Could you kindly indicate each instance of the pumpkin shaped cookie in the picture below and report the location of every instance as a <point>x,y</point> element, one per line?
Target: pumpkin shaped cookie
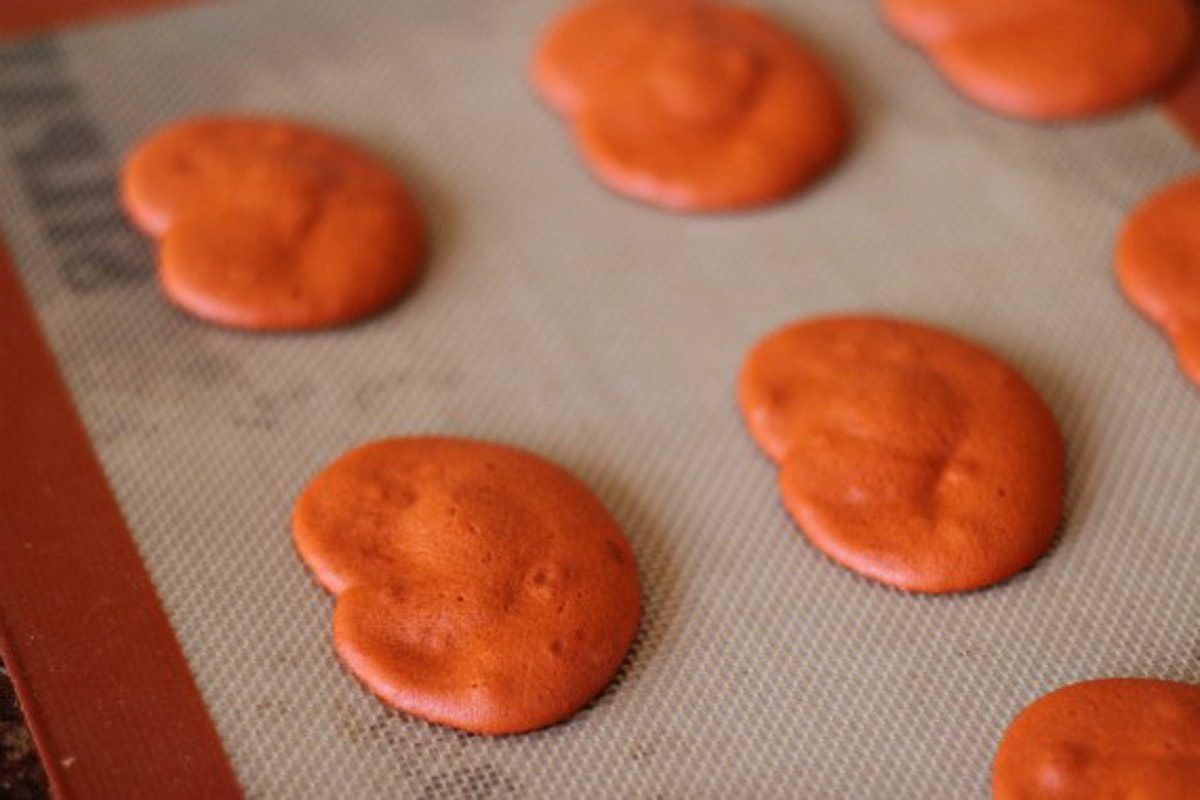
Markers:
<point>1158,266</point>
<point>691,105</point>
<point>270,225</point>
<point>478,586</point>
<point>1110,738</point>
<point>907,454</point>
<point>1049,59</point>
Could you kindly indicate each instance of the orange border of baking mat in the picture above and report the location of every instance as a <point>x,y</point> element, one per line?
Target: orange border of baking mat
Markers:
<point>103,683</point>
<point>21,17</point>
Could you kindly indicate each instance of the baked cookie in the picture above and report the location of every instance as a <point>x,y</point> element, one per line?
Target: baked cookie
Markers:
<point>691,105</point>
<point>907,455</point>
<point>270,225</point>
<point>1111,738</point>
<point>478,586</point>
<point>1158,266</point>
<point>1049,59</point>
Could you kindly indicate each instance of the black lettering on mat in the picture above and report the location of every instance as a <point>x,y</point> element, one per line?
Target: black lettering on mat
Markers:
<point>65,169</point>
<point>31,52</point>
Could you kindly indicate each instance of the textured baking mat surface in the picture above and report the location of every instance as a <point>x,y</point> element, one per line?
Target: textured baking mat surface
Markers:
<point>607,336</point>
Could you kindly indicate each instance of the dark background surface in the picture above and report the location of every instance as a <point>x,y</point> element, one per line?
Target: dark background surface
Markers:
<point>21,776</point>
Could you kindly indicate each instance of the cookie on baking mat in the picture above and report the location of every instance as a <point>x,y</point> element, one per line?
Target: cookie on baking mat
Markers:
<point>691,105</point>
<point>478,586</point>
<point>1109,738</point>
<point>907,454</point>
<point>268,224</point>
<point>1158,266</point>
<point>1050,59</point>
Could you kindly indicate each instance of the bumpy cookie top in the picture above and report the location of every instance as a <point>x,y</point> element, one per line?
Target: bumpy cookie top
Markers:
<point>908,455</point>
<point>268,224</point>
<point>478,586</point>
<point>1111,738</point>
<point>1158,265</point>
<point>689,104</point>
<point>1049,59</point>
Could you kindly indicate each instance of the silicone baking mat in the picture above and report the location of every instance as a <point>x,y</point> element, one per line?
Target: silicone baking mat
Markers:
<point>607,336</point>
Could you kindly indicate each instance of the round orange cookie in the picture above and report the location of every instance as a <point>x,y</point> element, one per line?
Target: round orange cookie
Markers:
<point>1158,265</point>
<point>692,105</point>
<point>908,455</point>
<point>1112,738</point>
<point>478,586</point>
<point>1050,59</point>
<point>271,225</point>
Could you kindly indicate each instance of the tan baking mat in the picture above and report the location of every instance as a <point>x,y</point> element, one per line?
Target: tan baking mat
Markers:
<point>607,336</point>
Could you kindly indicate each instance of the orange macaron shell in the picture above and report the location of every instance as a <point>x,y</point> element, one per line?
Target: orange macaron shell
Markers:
<point>1103,739</point>
<point>716,124</point>
<point>1050,59</point>
<point>925,21</point>
<point>241,268</point>
<point>478,585</point>
<point>691,105</point>
<point>271,225</point>
<point>908,455</point>
<point>1158,266</point>
<point>579,49</point>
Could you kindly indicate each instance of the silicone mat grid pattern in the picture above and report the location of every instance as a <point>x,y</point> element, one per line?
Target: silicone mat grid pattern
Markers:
<point>607,336</point>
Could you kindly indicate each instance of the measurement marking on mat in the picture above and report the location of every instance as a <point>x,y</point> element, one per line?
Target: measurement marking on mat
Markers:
<point>65,168</point>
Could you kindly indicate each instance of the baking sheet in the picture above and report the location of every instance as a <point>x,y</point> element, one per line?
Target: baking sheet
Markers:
<point>607,336</point>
